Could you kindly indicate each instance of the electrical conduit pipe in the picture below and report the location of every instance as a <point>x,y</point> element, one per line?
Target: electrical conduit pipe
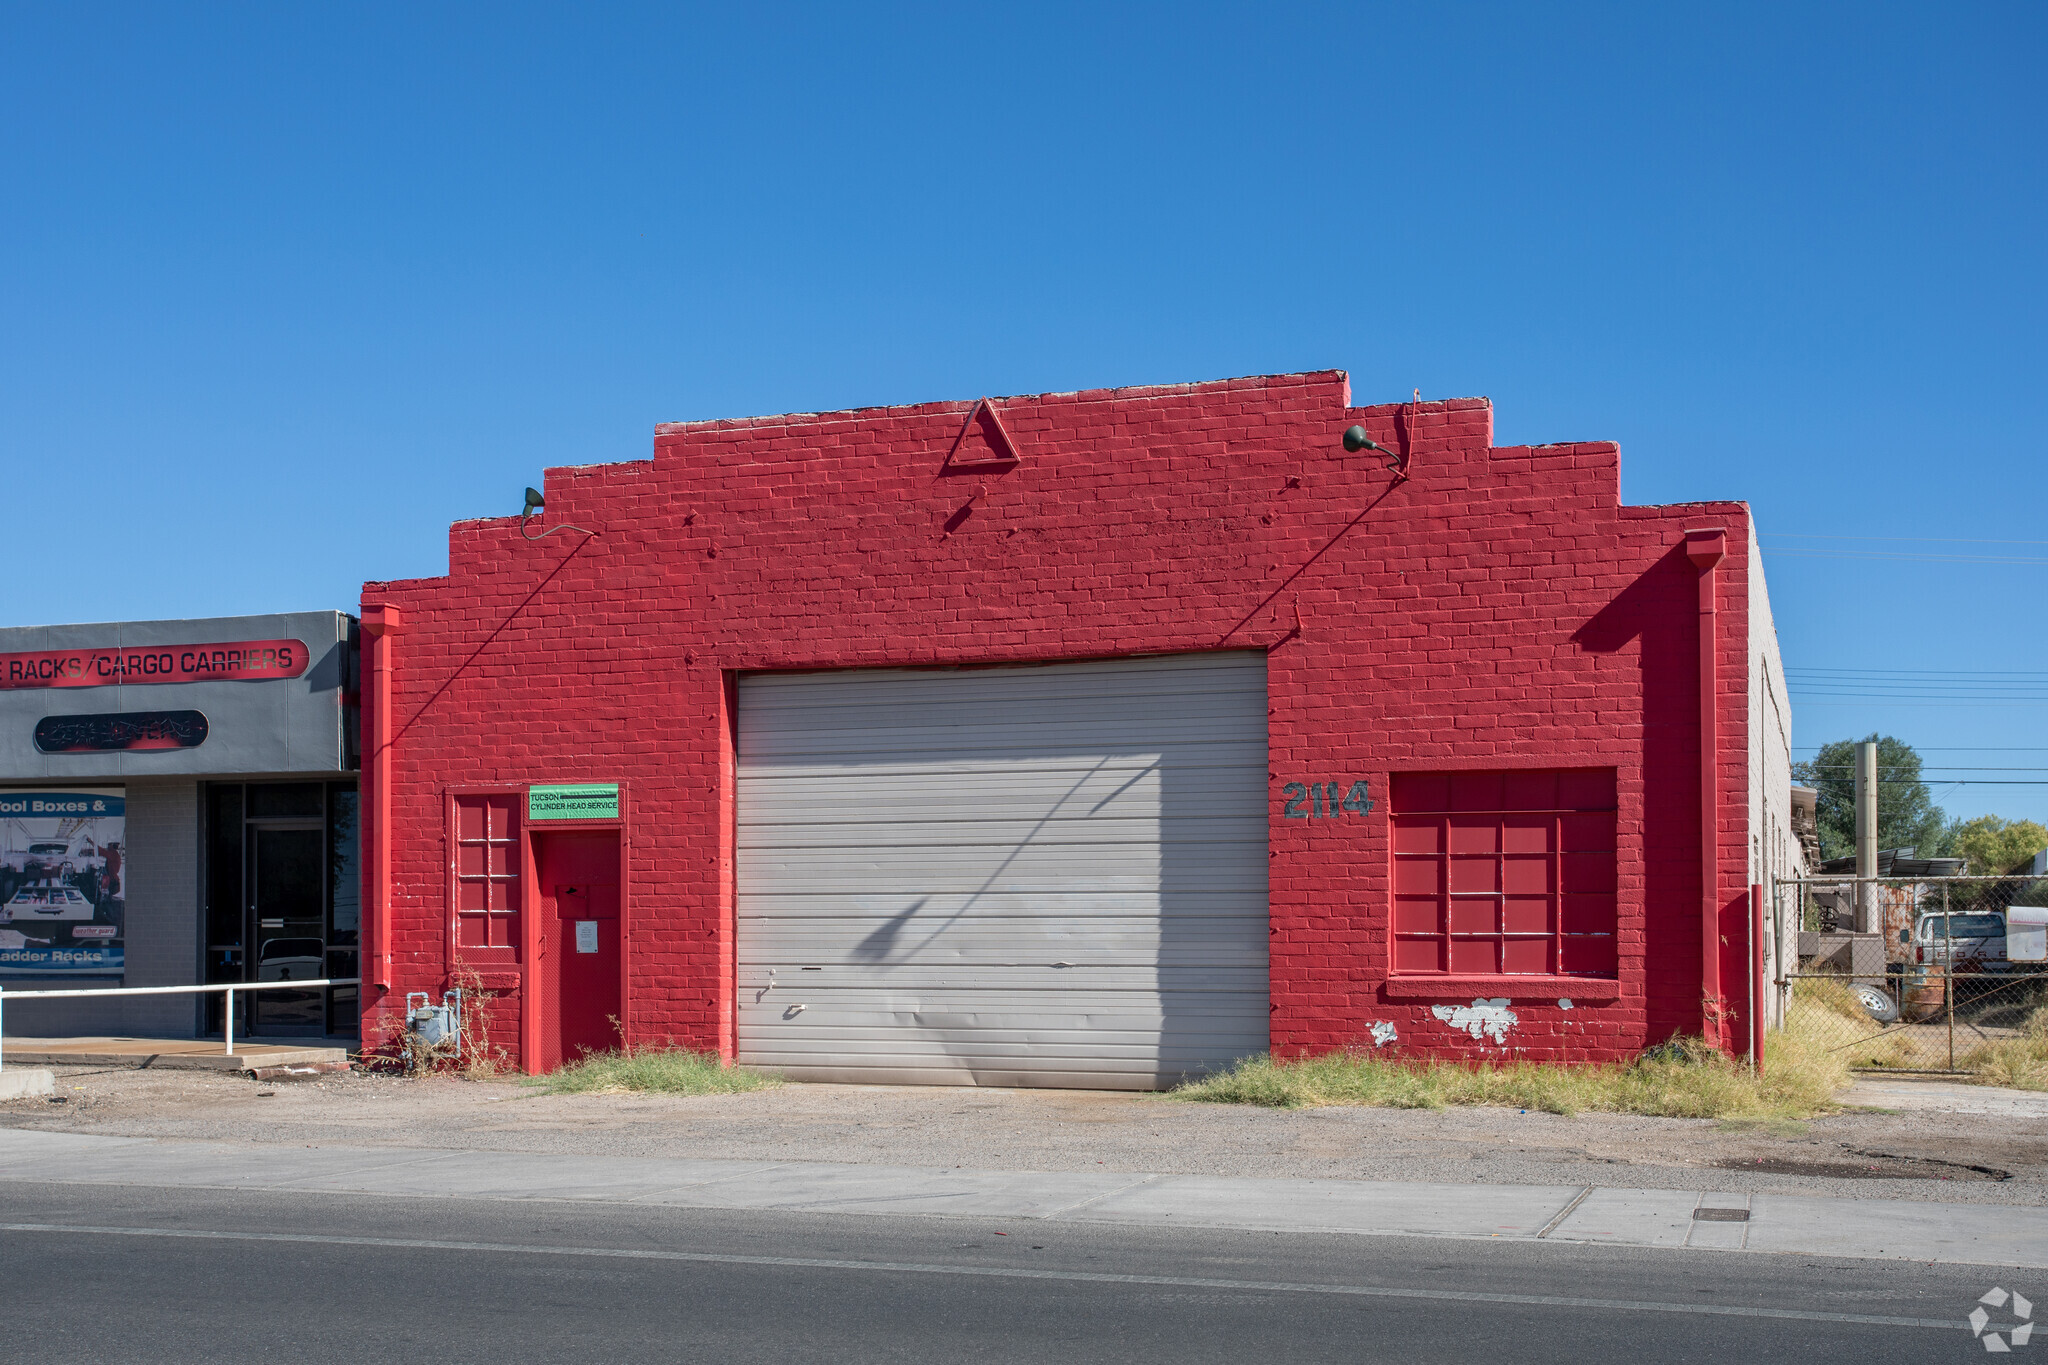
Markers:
<point>380,623</point>
<point>1756,976</point>
<point>1706,549</point>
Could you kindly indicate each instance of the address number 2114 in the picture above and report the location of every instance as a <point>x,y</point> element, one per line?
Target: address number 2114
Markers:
<point>1319,800</point>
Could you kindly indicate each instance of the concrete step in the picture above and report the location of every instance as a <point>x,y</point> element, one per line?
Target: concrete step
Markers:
<point>175,1054</point>
<point>26,1083</point>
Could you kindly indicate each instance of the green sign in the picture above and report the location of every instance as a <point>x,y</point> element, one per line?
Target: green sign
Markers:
<point>573,801</point>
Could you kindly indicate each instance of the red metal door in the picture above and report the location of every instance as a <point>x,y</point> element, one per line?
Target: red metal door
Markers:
<point>578,876</point>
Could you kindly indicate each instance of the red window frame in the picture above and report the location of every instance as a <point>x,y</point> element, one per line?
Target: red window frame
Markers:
<point>486,876</point>
<point>1504,873</point>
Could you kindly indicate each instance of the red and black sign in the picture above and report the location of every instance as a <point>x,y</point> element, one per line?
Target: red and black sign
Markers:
<point>139,730</point>
<point>229,661</point>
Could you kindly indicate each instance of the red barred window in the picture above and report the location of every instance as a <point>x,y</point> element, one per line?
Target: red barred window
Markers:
<point>487,876</point>
<point>1504,872</point>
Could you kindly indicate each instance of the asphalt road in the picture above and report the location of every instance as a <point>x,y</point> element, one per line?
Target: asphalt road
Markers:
<point>114,1273</point>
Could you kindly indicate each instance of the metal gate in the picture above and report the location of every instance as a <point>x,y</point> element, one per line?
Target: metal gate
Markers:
<point>1050,875</point>
<point>1949,975</point>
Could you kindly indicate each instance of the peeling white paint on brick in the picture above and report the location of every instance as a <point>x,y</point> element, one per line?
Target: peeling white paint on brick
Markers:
<point>1383,1033</point>
<point>1482,1018</point>
<point>1564,1002</point>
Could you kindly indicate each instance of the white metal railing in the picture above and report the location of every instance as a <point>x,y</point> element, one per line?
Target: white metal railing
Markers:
<point>227,1015</point>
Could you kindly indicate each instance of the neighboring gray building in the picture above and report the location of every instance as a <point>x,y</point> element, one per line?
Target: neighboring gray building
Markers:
<point>177,806</point>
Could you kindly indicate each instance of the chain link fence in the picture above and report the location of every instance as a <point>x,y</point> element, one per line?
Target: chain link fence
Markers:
<point>1931,974</point>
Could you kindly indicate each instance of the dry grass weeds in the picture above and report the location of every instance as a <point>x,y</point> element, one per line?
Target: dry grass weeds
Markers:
<point>1832,1018</point>
<point>653,1070</point>
<point>1680,1079</point>
<point>2018,1063</point>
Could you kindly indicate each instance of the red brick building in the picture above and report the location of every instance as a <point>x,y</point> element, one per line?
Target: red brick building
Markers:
<point>1091,738</point>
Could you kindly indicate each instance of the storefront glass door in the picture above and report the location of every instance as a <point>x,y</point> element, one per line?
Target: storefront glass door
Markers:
<point>281,874</point>
<point>288,906</point>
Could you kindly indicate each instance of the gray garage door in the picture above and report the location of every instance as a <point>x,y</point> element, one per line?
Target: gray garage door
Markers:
<point>1004,876</point>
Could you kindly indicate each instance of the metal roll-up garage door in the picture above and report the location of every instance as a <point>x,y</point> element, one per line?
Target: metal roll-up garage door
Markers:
<point>1048,875</point>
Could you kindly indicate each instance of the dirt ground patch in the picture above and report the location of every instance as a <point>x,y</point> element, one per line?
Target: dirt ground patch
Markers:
<point>1865,1164</point>
<point>1907,1155</point>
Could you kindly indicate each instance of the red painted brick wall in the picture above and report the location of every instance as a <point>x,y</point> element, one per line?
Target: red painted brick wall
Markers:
<point>1499,609</point>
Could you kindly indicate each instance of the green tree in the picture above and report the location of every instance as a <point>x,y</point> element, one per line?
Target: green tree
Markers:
<point>1991,846</point>
<point>1906,814</point>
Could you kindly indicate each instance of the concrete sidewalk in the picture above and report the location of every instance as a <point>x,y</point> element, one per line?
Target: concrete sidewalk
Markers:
<point>1907,1094</point>
<point>1871,1229</point>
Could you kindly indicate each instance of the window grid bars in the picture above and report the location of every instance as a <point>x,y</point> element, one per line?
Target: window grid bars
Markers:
<point>499,890</point>
<point>1445,936</point>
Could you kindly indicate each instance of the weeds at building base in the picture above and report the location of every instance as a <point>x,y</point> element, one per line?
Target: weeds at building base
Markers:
<point>653,1070</point>
<point>1683,1078</point>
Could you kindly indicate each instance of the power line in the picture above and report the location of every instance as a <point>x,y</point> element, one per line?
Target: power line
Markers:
<point>1918,559</point>
<point>2017,684</point>
<point>1963,782</point>
<point>1986,692</point>
<point>1882,680</point>
<point>1920,672</point>
<point>1906,698</point>
<point>1913,686</point>
<point>1924,694</point>
<point>1922,705</point>
<point>1866,682</point>
<point>1902,767</point>
<point>2014,683</point>
<point>1923,540</point>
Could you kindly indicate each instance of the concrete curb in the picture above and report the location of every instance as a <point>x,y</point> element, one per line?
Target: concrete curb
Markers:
<point>1705,1219</point>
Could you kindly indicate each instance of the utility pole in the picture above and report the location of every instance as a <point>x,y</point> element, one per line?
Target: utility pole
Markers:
<point>1866,838</point>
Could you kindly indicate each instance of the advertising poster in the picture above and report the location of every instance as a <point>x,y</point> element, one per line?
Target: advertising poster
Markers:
<point>63,874</point>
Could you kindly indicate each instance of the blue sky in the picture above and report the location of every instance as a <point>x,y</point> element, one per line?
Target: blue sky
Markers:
<point>289,288</point>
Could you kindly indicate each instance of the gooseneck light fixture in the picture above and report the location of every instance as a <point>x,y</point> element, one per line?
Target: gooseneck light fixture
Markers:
<point>1356,440</point>
<point>536,503</point>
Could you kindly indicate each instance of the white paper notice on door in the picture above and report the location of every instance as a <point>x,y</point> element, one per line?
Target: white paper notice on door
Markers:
<point>586,935</point>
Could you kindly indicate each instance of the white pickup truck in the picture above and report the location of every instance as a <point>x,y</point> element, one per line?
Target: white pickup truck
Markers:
<point>1980,941</point>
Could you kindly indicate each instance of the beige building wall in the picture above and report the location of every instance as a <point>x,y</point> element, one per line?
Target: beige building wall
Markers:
<point>1774,851</point>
